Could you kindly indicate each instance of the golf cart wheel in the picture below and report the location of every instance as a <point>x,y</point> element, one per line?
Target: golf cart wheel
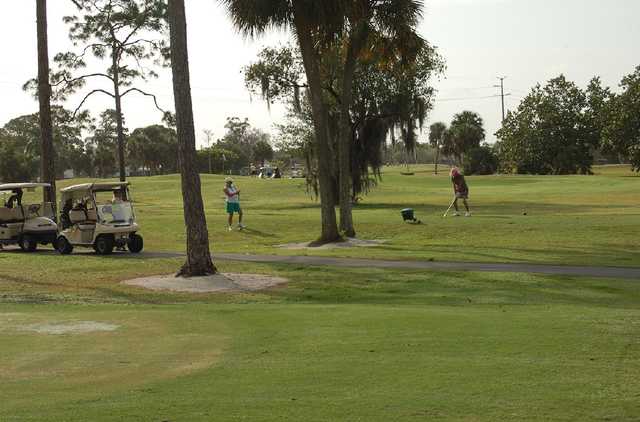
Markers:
<point>28,244</point>
<point>104,245</point>
<point>135,243</point>
<point>63,246</point>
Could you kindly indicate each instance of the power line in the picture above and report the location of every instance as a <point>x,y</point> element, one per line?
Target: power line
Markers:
<point>466,98</point>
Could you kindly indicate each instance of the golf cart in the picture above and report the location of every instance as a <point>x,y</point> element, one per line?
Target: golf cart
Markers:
<point>98,216</point>
<point>25,224</point>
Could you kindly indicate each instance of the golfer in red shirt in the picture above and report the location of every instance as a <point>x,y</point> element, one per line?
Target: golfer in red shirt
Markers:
<point>460,190</point>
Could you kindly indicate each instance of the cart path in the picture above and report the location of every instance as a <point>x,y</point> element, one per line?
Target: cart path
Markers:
<point>551,269</point>
<point>570,270</point>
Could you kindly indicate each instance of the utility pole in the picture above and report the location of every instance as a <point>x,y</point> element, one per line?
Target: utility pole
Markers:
<point>502,94</point>
<point>209,134</point>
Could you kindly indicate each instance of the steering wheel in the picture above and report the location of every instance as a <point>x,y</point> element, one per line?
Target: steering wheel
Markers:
<point>35,209</point>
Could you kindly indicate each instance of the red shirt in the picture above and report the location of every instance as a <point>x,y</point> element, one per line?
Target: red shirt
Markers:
<point>459,184</point>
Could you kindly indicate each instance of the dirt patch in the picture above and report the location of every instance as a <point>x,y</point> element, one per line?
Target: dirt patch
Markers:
<point>218,283</point>
<point>350,242</point>
<point>73,327</point>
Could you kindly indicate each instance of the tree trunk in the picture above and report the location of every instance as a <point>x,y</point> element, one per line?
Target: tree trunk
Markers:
<point>198,255</point>
<point>119,125</point>
<point>325,159</point>
<point>47,155</point>
<point>346,132</point>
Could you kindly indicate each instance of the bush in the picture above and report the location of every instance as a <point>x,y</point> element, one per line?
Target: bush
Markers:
<point>480,160</point>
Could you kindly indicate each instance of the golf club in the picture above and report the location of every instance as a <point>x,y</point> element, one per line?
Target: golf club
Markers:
<point>449,209</point>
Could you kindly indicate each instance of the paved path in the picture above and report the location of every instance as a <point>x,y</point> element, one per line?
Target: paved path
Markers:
<point>572,270</point>
<point>584,271</point>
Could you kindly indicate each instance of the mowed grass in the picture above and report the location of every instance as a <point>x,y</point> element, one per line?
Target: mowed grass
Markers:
<point>340,344</point>
<point>588,220</point>
<point>335,344</point>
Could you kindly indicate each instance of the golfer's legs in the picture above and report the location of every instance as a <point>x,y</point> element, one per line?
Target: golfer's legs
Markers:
<point>455,204</point>
<point>240,216</point>
<point>466,204</point>
<point>230,218</point>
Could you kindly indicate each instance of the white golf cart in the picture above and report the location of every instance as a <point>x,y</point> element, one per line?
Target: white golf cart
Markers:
<point>25,223</point>
<point>98,216</point>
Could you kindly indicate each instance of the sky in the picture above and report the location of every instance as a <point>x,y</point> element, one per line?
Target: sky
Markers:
<point>526,41</point>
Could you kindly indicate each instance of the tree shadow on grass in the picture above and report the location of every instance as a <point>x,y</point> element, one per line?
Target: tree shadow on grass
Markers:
<point>554,256</point>
<point>256,233</point>
<point>371,286</point>
<point>90,252</point>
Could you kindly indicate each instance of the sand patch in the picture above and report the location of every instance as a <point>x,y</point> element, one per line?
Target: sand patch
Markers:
<point>350,242</point>
<point>73,327</point>
<point>217,283</point>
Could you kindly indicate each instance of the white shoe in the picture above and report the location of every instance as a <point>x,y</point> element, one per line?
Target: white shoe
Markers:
<point>230,228</point>
<point>241,226</point>
<point>456,214</point>
<point>467,214</point>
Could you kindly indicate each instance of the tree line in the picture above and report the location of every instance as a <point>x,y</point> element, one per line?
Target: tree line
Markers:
<point>85,146</point>
<point>88,147</point>
<point>557,128</point>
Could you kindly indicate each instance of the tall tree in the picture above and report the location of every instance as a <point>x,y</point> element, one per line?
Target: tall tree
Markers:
<point>23,132</point>
<point>103,144</point>
<point>128,33</point>
<point>549,133</point>
<point>154,148</point>
<point>47,155</point>
<point>436,139</point>
<point>243,140</point>
<point>15,164</point>
<point>306,18</point>
<point>325,30</point>
<point>622,131</point>
<point>199,260</point>
<point>389,29</point>
<point>358,15</point>
<point>467,132</point>
<point>389,95</point>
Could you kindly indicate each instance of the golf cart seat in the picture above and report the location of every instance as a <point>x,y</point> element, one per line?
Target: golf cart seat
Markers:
<point>81,219</point>
<point>92,215</point>
<point>47,210</point>
<point>11,215</point>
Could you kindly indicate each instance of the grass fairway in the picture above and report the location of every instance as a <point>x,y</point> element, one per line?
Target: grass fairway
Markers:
<point>589,220</point>
<point>340,344</point>
<point>336,345</point>
<point>583,220</point>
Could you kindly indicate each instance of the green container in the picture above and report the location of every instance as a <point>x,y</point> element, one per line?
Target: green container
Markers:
<point>407,214</point>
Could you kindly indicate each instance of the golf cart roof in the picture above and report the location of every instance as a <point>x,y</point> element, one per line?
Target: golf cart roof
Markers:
<point>95,187</point>
<point>12,186</point>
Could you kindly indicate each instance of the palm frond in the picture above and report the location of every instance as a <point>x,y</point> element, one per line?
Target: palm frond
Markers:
<point>254,17</point>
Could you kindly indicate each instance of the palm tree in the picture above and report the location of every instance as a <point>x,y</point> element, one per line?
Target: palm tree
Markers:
<point>307,18</point>
<point>467,131</point>
<point>48,171</point>
<point>389,29</point>
<point>436,138</point>
<point>345,26</point>
<point>198,254</point>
